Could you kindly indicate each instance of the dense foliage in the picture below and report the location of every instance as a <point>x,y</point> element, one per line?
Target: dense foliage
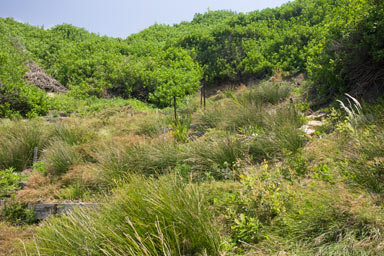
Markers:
<point>16,97</point>
<point>337,43</point>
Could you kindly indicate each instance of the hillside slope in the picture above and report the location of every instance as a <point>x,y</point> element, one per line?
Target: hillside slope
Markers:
<point>338,44</point>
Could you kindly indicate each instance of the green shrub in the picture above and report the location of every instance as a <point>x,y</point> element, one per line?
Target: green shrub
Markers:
<point>17,98</point>
<point>9,182</point>
<point>348,55</point>
<point>143,217</point>
<point>260,198</point>
<point>18,213</point>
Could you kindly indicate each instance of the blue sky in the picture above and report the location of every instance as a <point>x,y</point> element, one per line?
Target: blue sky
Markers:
<point>119,18</point>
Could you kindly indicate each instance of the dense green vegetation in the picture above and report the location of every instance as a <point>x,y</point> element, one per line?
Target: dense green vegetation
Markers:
<point>241,176</point>
<point>245,180</point>
<point>338,44</point>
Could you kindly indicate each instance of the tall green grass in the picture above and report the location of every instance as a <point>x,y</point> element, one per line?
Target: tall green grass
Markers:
<point>245,109</point>
<point>71,133</point>
<point>218,157</point>
<point>153,158</point>
<point>18,140</point>
<point>266,92</point>
<point>59,156</point>
<point>332,220</point>
<point>143,217</point>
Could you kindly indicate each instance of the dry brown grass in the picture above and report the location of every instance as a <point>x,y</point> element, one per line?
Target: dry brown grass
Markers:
<point>88,175</point>
<point>39,189</point>
<point>11,237</point>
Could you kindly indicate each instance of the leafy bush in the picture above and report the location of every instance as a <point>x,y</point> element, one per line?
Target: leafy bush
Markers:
<point>17,99</point>
<point>143,217</point>
<point>9,182</point>
<point>348,55</point>
<point>262,196</point>
<point>18,213</point>
<point>22,100</point>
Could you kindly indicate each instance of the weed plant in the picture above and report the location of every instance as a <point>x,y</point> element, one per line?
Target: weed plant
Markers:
<point>9,182</point>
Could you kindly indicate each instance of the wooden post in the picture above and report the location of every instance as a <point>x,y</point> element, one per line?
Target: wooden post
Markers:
<point>35,151</point>
<point>175,108</point>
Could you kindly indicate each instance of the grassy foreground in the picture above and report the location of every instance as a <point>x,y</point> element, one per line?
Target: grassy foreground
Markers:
<point>239,178</point>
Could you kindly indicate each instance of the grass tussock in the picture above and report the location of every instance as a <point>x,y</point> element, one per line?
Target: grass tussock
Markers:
<point>219,157</point>
<point>143,217</point>
<point>17,143</point>
<point>72,133</point>
<point>59,156</point>
<point>156,157</point>
<point>333,220</point>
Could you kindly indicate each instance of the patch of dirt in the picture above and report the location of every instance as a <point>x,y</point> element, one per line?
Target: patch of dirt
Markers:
<point>42,80</point>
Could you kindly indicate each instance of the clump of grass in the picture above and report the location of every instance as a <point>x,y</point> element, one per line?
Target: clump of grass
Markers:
<point>243,110</point>
<point>331,220</point>
<point>363,161</point>
<point>18,140</point>
<point>150,124</point>
<point>280,134</point>
<point>72,134</point>
<point>143,217</point>
<point>59,156</point>
<point>272,93</point>
<point>219,157</point>
<point>216,114</point>
<point>156,157</point>
<point>284,124</point>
